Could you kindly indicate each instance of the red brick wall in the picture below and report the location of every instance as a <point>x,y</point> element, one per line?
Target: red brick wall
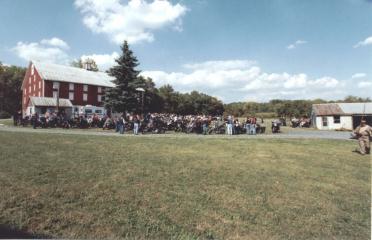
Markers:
<point>48,89</point>
<point>78,93</point>
<point>32,86</point>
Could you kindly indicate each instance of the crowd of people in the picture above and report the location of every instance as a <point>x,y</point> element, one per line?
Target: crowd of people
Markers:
<point>200,124</point>
<point>148,123</point>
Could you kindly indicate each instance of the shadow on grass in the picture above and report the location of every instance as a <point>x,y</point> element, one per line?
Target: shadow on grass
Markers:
<point>7,232</point>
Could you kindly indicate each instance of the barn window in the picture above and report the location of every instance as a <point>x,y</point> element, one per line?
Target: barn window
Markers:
<point>325,121</point>
<point>85,88</point>
<point>71,87</point>
<point>71,96</point>
<point>99,98</point>
<point>32,69</point>
<point>55,85</point>
<point>55,94</point>
<point>99,89</point>
<point>85,97</point>
<point>336,119</point>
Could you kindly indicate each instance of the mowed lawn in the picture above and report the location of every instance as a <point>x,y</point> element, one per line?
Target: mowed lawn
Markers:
<point>64,186</point>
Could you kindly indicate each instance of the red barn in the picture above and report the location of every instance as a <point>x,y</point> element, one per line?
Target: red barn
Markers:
<point>58,85</point>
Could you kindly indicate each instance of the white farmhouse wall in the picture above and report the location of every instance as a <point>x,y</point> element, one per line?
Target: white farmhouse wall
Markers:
<point>346,122</point>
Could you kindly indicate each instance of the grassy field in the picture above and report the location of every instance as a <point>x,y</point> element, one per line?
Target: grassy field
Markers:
<point>189,188</point>
<point>7,122</point>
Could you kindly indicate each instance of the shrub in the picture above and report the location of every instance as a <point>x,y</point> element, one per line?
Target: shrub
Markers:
<point>4,114</point>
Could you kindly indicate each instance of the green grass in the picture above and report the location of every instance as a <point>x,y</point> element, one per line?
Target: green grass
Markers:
<point>7,122</point>
<point>63,186</point>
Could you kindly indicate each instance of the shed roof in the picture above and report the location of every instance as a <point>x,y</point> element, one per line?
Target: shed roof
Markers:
<point>49,102</point>
<point>61,73</point>
<point>342,109</point>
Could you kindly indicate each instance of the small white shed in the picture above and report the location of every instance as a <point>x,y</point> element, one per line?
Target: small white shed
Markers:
<point>337,116</point>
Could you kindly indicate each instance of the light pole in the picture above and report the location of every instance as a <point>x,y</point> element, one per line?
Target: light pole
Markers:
<point>142,91</point>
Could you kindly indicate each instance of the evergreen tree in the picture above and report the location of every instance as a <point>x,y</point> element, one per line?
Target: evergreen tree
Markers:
<point>124,97</point>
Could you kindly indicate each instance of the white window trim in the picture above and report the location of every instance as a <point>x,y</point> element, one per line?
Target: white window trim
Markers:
<point>99,89</point>
<point>99,98</point>
<point>85,88</point>
<point>55,85</point>
<point>71,96</point>
<point>85,97</point>
<point>71,86</point>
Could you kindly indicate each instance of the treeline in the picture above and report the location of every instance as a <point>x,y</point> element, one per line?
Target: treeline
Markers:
<point>11,78</point>
<point>168,100</point>
<point>281,108</point>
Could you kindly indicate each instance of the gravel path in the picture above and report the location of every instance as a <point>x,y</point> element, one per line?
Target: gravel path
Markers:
<point>290,133</point>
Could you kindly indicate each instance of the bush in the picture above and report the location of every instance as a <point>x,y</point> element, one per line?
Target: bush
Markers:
<point>4,114</point>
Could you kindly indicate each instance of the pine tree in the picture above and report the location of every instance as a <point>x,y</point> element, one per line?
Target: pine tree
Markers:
<point>124,97</point>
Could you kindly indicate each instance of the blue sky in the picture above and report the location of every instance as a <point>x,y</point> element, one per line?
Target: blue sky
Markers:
<point>236,50</point>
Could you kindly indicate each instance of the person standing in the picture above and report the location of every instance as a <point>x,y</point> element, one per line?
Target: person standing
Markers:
<point>248,125</point>
<point>229,125</point>
<point>253,125</point>
<point>117,124</point>
<point>15,118</point>
<point>136,123</point>
<point>205,126</point>
<point>122,124</point>
<point>34,120</point>
<point>363,133</point>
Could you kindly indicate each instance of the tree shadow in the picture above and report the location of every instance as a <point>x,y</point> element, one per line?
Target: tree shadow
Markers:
<point>12,233</point>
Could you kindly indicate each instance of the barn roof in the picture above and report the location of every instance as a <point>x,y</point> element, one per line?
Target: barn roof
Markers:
<point>61,73</point>
<point>342,109</point>
<point>49,102</point>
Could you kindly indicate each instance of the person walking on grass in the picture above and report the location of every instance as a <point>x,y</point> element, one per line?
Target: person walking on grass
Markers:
<point>363,133</point>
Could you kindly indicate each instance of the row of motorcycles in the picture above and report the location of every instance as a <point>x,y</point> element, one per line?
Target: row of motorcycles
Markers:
<point>156,125</point>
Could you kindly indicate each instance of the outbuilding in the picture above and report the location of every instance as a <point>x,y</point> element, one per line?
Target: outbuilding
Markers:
<point>41,105</point>
<point>340,116</point>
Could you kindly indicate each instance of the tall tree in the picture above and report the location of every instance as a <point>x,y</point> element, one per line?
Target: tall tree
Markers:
<point>124,97</point>
<point>10,89</point>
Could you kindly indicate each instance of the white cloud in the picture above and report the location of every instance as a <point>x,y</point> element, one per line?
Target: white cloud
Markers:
<point>296,44</point>
<point>103,61</point>
<point>365,42</point>
<point>56,42</point>
<point>365,84</point>
<point>134,21</point>
<point>43,51</point>
<point>220,65</point>
<point>239,80</point>
<point>358,75</point>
